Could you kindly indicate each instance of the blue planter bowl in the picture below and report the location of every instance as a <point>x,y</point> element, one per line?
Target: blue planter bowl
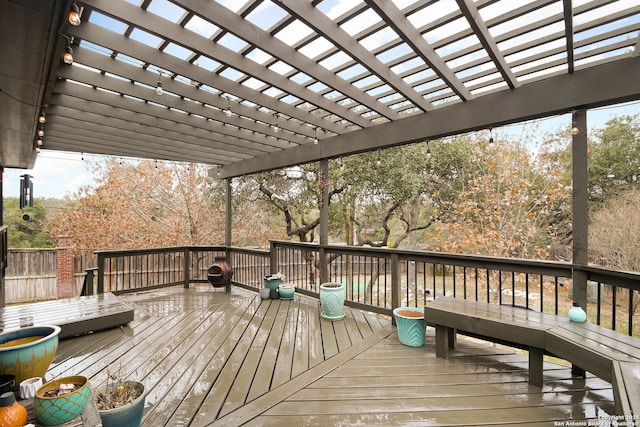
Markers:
<point>28,352</point>
<point>52,411</point>
<point>272,282</point>
<point>129,415</point>
<point>286,291</point>
<point>411,325</point>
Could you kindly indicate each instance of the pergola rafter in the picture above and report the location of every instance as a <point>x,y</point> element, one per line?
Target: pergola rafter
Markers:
<point>252,85</point>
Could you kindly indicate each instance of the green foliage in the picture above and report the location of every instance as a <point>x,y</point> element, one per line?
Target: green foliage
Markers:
<point>614,162</point>
<point>26,233</point>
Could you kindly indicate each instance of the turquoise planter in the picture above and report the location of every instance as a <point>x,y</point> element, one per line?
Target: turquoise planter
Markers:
<point>411,325</point>
<point>272,282</point>
<point>28,352</point>
<point>332,301</point>
<point>286,291</point>
<point>129,415</point>
<point>52,411</point>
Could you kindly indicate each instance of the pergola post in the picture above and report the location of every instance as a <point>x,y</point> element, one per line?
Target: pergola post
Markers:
<point>324,219</point>
<point>227,216</point>
<point>580,205</point>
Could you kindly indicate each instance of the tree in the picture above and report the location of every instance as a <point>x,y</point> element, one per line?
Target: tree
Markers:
<point>614,233</point>
<point>293,193</point>
<point>26,226</point>
<point>147,204</point>
<point>382,193</point>
<point>614,161</point>
<point>505,203</point>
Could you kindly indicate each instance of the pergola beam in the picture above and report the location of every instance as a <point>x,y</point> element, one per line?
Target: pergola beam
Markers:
<point>605,84</point>
<point>252,34</point>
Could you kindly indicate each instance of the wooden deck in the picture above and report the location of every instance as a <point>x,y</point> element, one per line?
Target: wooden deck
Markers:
<point>213,358</point>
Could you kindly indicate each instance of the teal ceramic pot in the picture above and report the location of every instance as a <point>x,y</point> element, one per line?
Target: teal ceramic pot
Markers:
<point>129,415</point>
<point>28,352</point>
<point>332,301</point>
<point>286,291</point>
<point>55,410</point>
<point>411,325</point>
<point>272,282</point>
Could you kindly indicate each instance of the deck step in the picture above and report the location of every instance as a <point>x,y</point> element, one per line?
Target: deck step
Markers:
<point>74,316</point>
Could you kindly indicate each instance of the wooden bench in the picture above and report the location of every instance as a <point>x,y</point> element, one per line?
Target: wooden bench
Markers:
<point>75,316</point>
<point>609,355</point>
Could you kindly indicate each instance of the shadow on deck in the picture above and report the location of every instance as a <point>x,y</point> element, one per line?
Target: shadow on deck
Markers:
<point>213,358</point>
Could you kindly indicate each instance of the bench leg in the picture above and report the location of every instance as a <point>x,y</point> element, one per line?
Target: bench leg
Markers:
<point>536,367</point>
<point>445,340</point>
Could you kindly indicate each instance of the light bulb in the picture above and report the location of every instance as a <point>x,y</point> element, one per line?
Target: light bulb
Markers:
<point>68,55</point>
<point>42,119</point>
<point>74,15</point>
<point>159,89</point>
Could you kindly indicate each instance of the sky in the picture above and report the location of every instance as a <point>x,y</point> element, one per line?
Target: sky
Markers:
<point>59,174</point>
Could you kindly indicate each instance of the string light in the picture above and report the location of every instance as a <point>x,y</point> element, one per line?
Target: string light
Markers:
<point>575,130</point>
<point>227,112</point>
<point>74,15</point>
<point>159,89</point>
<point>68,54</point>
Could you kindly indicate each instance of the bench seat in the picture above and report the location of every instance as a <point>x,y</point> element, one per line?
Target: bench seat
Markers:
<point>609,355</point>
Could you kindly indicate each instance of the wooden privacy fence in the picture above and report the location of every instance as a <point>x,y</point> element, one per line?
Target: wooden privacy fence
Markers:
<point>31,274</point>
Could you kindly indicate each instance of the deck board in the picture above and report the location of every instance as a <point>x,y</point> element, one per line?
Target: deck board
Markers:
<point>215,358</point>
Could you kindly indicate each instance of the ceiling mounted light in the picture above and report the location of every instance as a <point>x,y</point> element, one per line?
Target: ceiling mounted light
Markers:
<point>159,89</point>
<point>74,15</point>
<point>68,54</point>
<point>315,138</point>
<point>275,127</point>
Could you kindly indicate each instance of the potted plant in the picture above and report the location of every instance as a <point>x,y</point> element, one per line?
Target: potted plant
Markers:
<point>120,403</point>
<point>411,325</point>
<point>61,400</point>
<point>28,352</point>
<point>332,301</point>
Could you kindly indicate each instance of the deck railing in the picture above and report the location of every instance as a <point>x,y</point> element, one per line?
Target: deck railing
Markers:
<point>4,250</point>
<point>380,279</point>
